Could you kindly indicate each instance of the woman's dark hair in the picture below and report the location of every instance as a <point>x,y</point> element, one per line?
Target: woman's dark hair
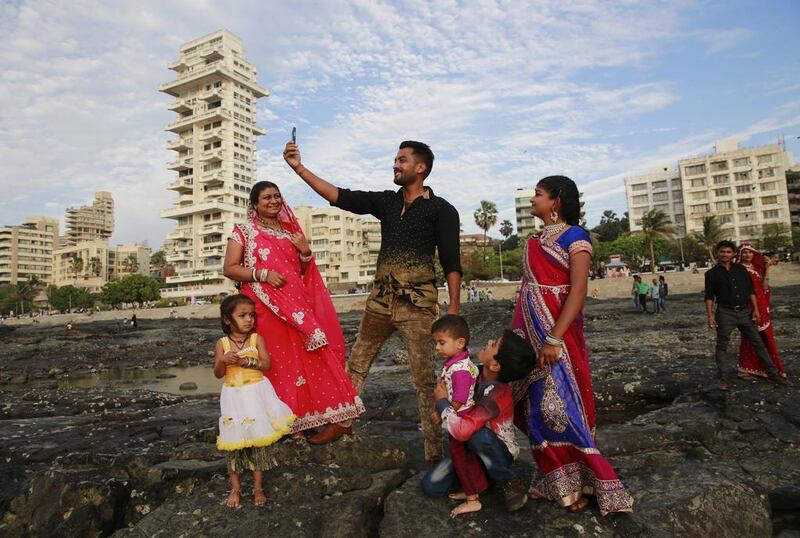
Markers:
<point>564,189</point>
<point>516,357</point>
<point>227,307</point>
<point>255,192</point>
<point>453,326</point>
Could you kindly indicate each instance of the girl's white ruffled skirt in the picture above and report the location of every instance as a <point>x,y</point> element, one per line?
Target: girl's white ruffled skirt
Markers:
<point>252,415</point>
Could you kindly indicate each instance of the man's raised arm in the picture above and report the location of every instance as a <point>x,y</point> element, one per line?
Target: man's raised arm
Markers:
<point>291,154</point>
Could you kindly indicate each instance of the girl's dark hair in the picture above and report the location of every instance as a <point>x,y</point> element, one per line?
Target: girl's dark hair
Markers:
<point>564,189</point>
<point>227,307</point>
<point>516,357</point>
<point>255,192</point>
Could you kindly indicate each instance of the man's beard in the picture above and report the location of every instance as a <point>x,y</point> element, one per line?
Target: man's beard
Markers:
<point>402,180</point>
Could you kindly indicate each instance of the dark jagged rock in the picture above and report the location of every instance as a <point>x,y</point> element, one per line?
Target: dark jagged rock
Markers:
<point>120,458</point>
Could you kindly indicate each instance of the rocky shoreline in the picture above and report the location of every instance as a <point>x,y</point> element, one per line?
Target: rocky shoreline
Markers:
<point>118,458</point>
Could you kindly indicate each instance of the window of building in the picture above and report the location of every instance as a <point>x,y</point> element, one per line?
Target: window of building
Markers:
<point>676,182</point>
<point>721,179</point>
<point>764,159</point>
<point>721,206</point>
<point>725,219</point>
<point>699,195</point>
<point>772,214</point>
<point>742,161</point>
<point>660,197</point>
<point>660,184</point>
<point>767,200</point>
<point>638,187</point>
<point>722,192</point>
<point>770,186</point>
<point>677,195</point>
<point>700,208</point>
<point>699,182</point>
<point>744,189</point>
<point>640,199</point>
<point>696,169</point>
<point>744,202</point>
<point>766,172</point>
<point>718,166</point>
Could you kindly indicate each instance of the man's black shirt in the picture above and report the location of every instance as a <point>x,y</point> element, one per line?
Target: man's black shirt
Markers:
<point>729,288</point>
<point>409,238</point>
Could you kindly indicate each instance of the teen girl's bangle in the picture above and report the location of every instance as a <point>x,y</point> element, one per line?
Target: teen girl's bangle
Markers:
<point>553,341</point>
<point>254,275</point>
<point>262,276</point>
<point>305,259</point>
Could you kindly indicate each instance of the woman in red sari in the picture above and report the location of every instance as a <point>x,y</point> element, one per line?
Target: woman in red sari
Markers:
<point>270,256</point>
<point>749,364</point>
<point>556,403</point>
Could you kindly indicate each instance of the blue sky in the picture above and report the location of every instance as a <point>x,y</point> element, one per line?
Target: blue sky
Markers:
<point>504,92</point>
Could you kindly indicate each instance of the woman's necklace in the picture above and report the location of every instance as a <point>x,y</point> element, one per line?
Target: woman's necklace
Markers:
<point>550,230</point>
<point>275,224</point>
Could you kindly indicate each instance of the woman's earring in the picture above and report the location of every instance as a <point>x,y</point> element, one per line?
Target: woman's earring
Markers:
<point>554,215</point>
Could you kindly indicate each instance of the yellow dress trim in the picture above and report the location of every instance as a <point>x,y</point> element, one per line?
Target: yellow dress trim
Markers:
<point>264,441</point>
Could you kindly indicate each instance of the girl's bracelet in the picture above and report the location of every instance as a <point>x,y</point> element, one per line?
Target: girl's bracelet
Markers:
<point>305,259</point>
<point>254,275</point>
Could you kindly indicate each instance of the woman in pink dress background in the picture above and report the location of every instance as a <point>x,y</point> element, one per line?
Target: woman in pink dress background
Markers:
<point>269,254</point>
<point>749,365</point>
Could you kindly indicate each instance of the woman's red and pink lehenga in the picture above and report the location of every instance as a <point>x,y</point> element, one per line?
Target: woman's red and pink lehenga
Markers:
<point>300,327</point>
<point>749,363</point>
<point>556,404</point>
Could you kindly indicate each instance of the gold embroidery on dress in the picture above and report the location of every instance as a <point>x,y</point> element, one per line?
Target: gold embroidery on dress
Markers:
<point>553,408</point>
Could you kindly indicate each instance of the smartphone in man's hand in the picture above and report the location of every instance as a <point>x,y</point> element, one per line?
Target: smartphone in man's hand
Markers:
<point>294,135</point>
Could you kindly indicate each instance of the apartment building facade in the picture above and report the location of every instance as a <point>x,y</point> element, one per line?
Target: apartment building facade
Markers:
<point>526,223</point>
<point>793,189</point>
<point>90,222</point>
<point>745,188</point>
<point>26,250</point>
<point>216,94</point>
<point>660,188</point>
<point>345,245</point>
<point>91,264</point>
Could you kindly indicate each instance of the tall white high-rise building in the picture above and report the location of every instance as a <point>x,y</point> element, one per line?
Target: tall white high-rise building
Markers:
<point>216,93</point>
<point>90,222</point>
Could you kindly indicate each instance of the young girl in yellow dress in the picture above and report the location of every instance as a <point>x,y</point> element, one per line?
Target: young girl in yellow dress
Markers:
<point>252,417</point>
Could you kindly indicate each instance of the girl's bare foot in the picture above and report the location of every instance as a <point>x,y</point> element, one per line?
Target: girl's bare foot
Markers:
<point>579,505</point>
<point>233,499</point>
<point>470,505</point>
<point>460,496</point>
<point>260,498</point>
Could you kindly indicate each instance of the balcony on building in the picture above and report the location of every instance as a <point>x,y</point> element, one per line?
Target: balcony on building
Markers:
<point>180,106</point>
<point>258,130</point>
<point>212,135</point>
<point>205,207</point>
<point>182,185</point>
<point>209,252</point>
<point>180,164</point>
<point>216,228</point>
<point>180,233</point>
<point>212,155</point>
<point>196,74</point>
<point>178,65</point>
<point>214,177</point>
<point>214,94</point>
<point>180,144</point>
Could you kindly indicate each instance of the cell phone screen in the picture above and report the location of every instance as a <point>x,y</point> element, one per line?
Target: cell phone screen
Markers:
<point>294,134</point>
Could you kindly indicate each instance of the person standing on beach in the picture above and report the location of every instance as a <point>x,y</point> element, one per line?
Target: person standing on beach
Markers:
<point>415,223</point>
<point>728,285</point>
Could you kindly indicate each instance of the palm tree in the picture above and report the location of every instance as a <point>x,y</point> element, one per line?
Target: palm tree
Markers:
<point>76,265</point>
<point>485,218</point>
<point>26,292</point>
<point>506,229</point>
<point>711,235</point>
<point>609,216</point>
<point>95,266</point>
<point>655,224</point>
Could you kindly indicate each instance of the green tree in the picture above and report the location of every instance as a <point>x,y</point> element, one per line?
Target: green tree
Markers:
<point>159,258</point>
<point>631,248</point>
<point>131,289</point>
<point>655,225</point>
<point>76,265</point>
<point>8,299</point>
<point>506,229</point>
<point>610,226</point>
<point>711,235</point>
<point>485,218</point>
<point>796,238</point>
<point>775,237</point>
<point>95,266</point>
<point>68,297</point>
<point>693,251</point>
